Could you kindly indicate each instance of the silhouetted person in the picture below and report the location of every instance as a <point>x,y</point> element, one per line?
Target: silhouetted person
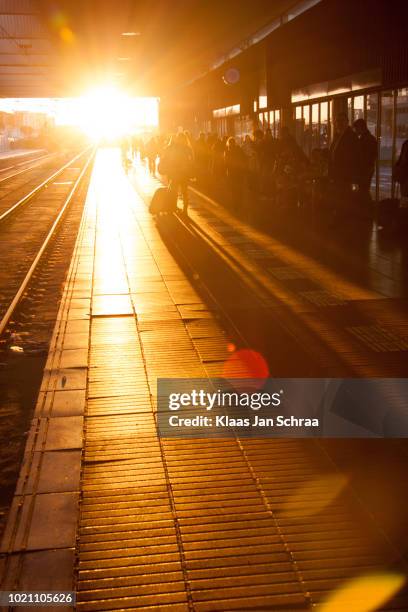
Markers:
<point>343,161</point>
<point>268,159</point>
<point>217,162</point>
<point>178,160</point>
<point>257,143</point>
<point>234,160</point>
<point>152,150</point>
<point>289,151</point>
<point>367,156</point>
<point>289,168</point>
<point>401,170</point>
<point>250,161</point>
<point>201,157</point>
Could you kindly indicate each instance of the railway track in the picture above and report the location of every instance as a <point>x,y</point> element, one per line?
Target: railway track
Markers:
<point>32,160</point>
<point>26,235</point>
<point>19,181</point>
<point>20,187</point>
<point>25,161</point>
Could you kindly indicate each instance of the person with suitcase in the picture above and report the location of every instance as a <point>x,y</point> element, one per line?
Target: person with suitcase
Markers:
<point>163,200</point>
<point>179,164</point>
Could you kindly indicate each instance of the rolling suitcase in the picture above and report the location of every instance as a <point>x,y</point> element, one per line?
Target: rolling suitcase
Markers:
<point>162,201</point>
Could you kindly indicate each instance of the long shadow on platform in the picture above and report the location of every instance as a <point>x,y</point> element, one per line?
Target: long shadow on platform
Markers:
<point>249,318</point>
<point>379,482</point>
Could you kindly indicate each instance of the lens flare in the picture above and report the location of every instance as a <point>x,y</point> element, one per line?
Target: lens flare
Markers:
<point>67,35</point>
<point>246,364</point>
<point>314,496</point>
<point>364,594</point>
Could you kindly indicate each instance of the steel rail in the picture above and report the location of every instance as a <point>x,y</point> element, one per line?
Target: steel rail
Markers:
<point>7,316</point>
<point>21,163</point>
<point>42,185</point>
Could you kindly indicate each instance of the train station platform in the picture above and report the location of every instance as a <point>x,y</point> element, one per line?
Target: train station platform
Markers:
<point>130,520</point>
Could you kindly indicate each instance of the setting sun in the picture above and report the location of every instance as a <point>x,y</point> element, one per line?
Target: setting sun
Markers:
<point>106,112</point>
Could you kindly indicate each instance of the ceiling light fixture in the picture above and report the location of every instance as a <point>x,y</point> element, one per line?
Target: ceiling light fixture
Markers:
<point>130,33</point>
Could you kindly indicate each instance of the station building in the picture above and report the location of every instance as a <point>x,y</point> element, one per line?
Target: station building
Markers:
<point>318,59</point>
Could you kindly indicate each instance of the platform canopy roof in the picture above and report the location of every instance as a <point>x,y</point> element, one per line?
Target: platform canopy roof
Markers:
<point>51,48</point>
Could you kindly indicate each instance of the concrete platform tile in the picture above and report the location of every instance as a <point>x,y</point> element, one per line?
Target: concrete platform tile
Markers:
<point>60,471</point>
<point>66,378</point>
<point>81,294</point>
<point>77,314</point>
<point>48,570</point>
<point>74,358</point>
<point>80,303</point>
<point>54,521</point>
<point>64,433</point>
<point>68,402</point>
<point>77,326</point>
<point>75,341</point>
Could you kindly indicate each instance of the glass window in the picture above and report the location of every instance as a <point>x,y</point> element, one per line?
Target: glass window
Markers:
<point>299,125</point>
<point>266,120</point>
<point>306,132</point>
<point>358,108</point>
<point>221,126</point>
<point>272,122</point>
<point>401,120</point>
<point>350,109</point>
<point>263,101</point>
<point>277,124</point>
<point>372,112</point>
<point>386,145</point>
<point>330,121</point>
<point>372,124</point>
<point>315,126</point>
<point>324,125</point>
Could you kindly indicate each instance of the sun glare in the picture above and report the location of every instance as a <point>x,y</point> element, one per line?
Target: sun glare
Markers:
<point>103,112</point>
<point>107,112</point>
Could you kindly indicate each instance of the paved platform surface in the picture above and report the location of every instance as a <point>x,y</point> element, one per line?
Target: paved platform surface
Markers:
<point>135,522</point>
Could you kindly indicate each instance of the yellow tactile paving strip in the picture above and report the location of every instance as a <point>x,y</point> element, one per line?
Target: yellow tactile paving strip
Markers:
<point>191,525</point>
